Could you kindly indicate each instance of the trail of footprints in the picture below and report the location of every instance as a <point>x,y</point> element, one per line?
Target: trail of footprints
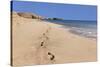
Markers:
<point>43,45</point>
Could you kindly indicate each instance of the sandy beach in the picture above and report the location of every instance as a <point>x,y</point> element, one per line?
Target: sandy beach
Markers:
<point>38,42</point>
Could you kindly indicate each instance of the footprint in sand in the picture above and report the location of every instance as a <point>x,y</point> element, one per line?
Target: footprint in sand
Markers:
<point>42,43</point>
<point>52,57</point>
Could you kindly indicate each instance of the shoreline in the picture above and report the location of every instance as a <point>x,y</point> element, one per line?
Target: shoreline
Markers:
<point>68,29</point>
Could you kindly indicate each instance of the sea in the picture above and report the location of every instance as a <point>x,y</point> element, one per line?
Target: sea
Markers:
<point>79,27</point>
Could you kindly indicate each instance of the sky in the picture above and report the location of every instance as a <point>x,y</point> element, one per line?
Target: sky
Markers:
<point>65,11</point>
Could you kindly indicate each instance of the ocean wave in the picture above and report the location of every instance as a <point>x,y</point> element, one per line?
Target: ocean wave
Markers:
<point>89,33</point>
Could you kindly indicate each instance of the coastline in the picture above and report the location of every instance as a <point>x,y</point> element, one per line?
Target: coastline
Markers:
<point>76,30</point>
<point>66,47</point>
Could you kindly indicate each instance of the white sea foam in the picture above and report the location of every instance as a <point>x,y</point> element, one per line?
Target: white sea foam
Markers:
<point>86,32</point>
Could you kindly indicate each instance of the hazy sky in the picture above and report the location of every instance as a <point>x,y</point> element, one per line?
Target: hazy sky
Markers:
<point>66,11</point>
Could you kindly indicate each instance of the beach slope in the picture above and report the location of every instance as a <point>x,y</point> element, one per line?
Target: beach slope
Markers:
<point>36,42</point>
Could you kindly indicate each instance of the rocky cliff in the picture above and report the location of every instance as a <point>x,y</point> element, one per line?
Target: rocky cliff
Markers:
<point>28,15</point>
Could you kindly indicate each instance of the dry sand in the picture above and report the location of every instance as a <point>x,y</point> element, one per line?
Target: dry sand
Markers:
<point>36,42</point>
